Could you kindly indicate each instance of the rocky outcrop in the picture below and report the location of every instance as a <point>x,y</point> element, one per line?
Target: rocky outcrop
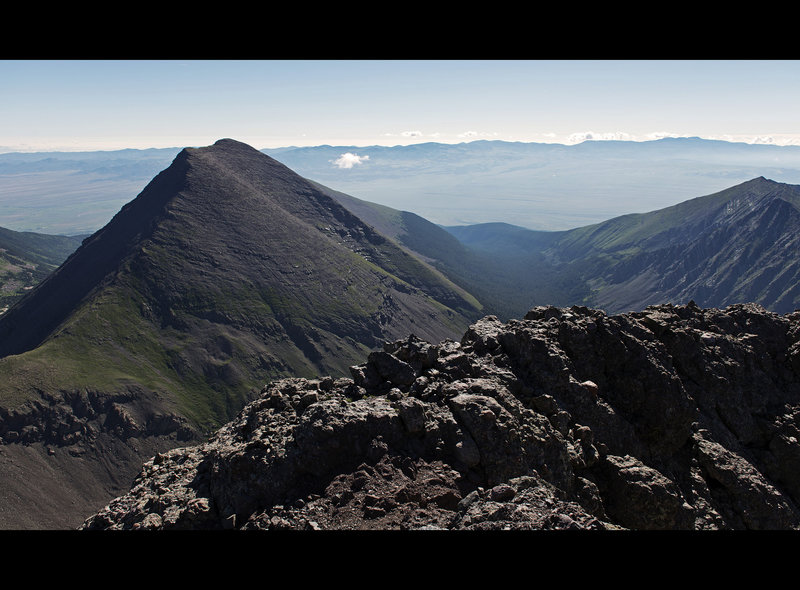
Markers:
<point>73,417</point>
<point>675,417</point>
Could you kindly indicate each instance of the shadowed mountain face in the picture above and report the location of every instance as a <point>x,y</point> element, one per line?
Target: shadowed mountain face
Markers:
<point>735,246</point>
<point>738,245</point>
<point>502,265</point>
<point>228,270</point>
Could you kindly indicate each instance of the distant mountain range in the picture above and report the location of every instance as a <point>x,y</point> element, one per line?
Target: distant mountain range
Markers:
<point>532,185</point>
<point>492,255</point>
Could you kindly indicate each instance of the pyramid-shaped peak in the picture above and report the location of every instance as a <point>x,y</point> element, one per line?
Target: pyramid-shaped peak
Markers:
<point>221,216</point>
<point>761,180</point>
<point>767,188</point>
<point>225,146</point>
<point>227,141</point>
<point>228,145</point>
<point>230,152</point>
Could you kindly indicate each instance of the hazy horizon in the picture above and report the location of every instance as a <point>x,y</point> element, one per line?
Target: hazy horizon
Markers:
<point>91,105</point>
<point>787,142</point>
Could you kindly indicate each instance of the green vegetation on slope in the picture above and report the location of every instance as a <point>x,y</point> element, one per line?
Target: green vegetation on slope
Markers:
<point>738,245</point>
<point>227,271</point>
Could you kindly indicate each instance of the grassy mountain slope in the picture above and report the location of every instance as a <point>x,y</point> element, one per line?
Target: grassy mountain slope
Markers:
<point>737,245</point>
<point>228,270</point>
<point>228,266</point>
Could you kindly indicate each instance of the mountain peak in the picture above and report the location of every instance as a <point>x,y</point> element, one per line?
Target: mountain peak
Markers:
<point>763,190</point>
<point>227,141</point>
<point>760,180</point>
<point>217,211</point>
<point>233,153</point>
<point>228,236</point>
<point>228,145</point>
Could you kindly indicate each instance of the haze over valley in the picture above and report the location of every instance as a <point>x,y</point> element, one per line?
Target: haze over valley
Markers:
<point>532,185</point>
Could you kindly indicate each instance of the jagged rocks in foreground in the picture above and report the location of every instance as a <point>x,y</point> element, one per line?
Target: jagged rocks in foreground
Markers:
<point>675,417</point>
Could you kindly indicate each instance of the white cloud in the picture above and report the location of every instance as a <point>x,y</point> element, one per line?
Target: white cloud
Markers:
<point>349,160</point>
<point>411,133</point>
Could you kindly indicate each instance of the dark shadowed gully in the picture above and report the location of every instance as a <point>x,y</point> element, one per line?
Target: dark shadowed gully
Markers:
<point>675,417</point>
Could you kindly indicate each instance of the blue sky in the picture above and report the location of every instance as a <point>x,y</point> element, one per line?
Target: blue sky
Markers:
<point>99,104</point>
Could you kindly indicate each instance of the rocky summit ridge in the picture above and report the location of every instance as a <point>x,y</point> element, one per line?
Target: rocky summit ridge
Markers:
<point>674,417</point>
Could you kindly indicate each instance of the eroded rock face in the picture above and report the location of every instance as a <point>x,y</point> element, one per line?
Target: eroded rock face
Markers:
<point>675,417</point>
<point>76,417</point>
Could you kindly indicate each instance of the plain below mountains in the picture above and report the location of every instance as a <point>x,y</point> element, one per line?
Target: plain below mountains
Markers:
<point>227,271</point>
